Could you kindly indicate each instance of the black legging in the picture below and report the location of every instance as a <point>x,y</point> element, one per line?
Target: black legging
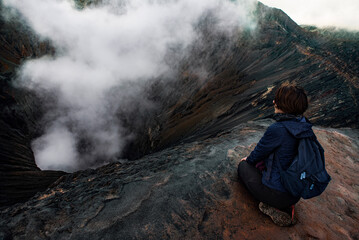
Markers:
<point>252,179</point>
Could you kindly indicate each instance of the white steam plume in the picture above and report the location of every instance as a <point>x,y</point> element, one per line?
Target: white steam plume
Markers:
<point>110,48</point>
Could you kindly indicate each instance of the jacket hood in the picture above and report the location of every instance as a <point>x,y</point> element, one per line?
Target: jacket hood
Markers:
<point>298,126</point>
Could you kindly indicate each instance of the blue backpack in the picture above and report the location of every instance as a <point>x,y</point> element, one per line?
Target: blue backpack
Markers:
<point>306,176</point>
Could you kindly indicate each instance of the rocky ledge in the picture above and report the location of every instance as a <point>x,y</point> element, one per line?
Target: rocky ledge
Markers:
<point>189,191</point>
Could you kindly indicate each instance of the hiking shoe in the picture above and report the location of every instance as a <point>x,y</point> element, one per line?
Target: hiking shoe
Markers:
<point>280,218</point>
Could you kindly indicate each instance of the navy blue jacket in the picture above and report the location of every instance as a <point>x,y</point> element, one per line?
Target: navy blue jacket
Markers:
<point>280,138</point>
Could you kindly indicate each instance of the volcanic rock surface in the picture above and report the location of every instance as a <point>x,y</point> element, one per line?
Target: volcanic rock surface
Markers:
<point>190,191</point>
<point>187,186</point>
<point>20,178</point>
<point>246,72</point>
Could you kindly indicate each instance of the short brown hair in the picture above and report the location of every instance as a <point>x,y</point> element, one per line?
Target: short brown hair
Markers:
<point>291,99</point>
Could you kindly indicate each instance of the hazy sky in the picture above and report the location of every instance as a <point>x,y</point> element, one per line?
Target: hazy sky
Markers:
<point>338,13</point>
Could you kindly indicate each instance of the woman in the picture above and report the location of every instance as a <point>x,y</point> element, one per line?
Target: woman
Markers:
<point>279,140</point>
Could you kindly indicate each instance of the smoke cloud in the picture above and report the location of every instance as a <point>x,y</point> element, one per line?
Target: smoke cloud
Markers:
<point>104,54</point>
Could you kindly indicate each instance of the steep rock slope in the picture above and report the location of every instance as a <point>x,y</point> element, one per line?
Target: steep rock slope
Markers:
<point>189,191</point>
<point>20,178</point>
<point>17,41</point>
<point>245,73</point>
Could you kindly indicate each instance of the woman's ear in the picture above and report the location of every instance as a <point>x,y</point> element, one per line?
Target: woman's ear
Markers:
<point>275,105</point>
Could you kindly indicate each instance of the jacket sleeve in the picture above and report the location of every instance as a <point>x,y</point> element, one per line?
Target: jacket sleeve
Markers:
<point>271,139</point>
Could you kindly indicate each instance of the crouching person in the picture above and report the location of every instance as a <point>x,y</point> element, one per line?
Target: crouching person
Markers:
<point>260,171</point>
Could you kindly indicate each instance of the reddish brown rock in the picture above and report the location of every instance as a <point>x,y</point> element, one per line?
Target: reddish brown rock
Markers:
<point>332,215</point>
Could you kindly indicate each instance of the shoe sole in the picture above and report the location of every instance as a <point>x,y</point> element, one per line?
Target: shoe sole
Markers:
<point>278,217</point>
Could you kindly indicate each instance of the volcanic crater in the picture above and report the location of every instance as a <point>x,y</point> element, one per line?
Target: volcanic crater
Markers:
<point>177,178</point>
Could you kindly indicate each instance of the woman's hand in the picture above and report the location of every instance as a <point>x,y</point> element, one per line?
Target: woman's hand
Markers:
<point>243,159</point>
